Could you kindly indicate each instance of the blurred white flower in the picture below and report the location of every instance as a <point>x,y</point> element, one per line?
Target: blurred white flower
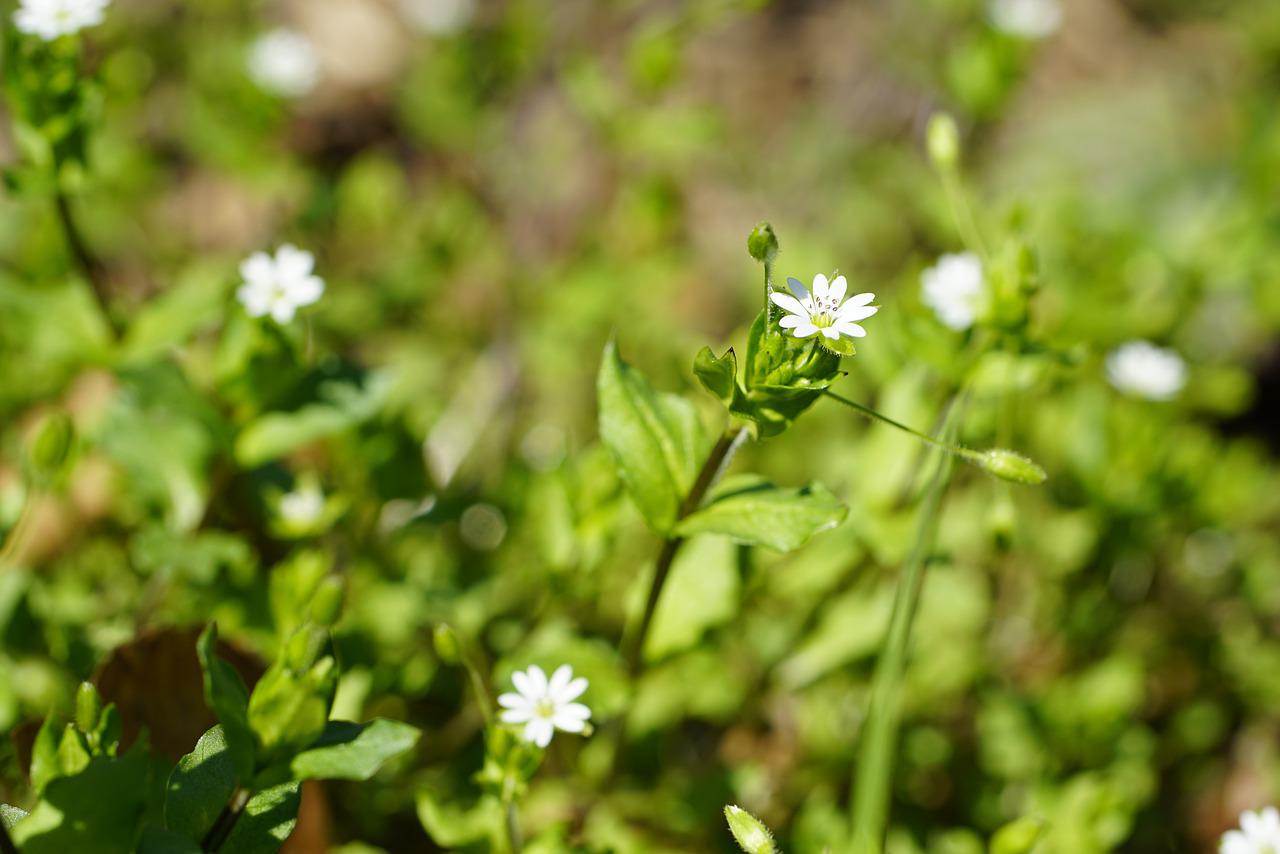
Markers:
<point>279,286</point>
<point>303,507</point>
<point>824,310</point>
<point>543,705</point>
<point>1259,833</point>
<point>283,61</point>
<point>955,289</point>
<point>1142,369</point>
<point>1028,19</point>
<point>439,17</point>
<point>50,19</point>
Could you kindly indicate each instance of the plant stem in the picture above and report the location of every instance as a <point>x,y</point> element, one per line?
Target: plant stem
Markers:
<point>221,830</point>
<point>513,826</point>
<point>18,535</point>
<point>721,453</point>
<point>89,265</point>
<point>963,213</point>
<point>874,774</point>
<point>947,447</point>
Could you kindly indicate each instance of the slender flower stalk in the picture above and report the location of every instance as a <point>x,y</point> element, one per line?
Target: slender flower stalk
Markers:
<point>94,271</point>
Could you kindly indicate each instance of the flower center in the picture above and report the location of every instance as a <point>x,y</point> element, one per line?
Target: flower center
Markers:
<point>544,709</point>
<point>823,319</point>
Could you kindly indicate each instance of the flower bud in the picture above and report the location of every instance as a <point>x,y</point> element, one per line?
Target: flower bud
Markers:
<point>88,707</point>
<point>943,141</point>
<point>1017,837</point>
<point>326,604</point>
<point>446,643</point>
<point>749,831</point>
<point>762,243</point>
<point>1009,465</point>
<point>50,446</point>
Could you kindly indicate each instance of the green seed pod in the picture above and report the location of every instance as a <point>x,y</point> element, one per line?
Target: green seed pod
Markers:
<point>49,446</point>
<point>1018,837</point>
<point>1010,465</point>
<point>762,243</point>
<point>326,604</point>
<point>446,643</point>
<point>943,141</point>
<point>749,831</point>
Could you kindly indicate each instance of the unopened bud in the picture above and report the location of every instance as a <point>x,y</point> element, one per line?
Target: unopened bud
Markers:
<point>762,243</point>
<point>1010,465</point>
<point>88,707</point>
<point>446,642</point>
<point>749,831</point>
<point>50,445</point>
<point>1018,837</point>
<point>326,604</point>
<point>943,141</point>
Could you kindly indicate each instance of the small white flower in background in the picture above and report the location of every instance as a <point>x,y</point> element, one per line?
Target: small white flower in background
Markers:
<point>1028,19</point>
<point>1259,833</point>
<point>825,310</point>
<point>303,507</point>
<point>50,19</point>
<point>439,17</point>
<point>955,289</point>
<point>543,705</point>
<point>1142,369</point>
<point>279,286</point>
<point>284,62</point>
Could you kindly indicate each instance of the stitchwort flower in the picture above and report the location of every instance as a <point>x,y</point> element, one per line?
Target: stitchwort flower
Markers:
<point>543,705</point>
<point>824,310</point>
<point>1027,19</point>
<point>50,19</point>
<point>281,285</point>
<point>1259,833</point>
<point>956,289</point>
<point>1142,369</point>
<point>283,61</point>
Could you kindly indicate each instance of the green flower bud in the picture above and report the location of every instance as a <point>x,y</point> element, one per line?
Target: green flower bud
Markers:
<point>943,141</point>
<point>88,707</point>
<point>1010,465</point>
<point>326,604</point>
<point>749,831</point>
<point>762,243</point>
<point>446,643</point>
<point>1018,837</point>
<point>50,446</point>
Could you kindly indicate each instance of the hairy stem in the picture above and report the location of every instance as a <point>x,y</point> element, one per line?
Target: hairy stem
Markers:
<point>92,268</point>
<point>874,774</point>
<point>217,835</point>
<point>947,447</point>
<point>715,464</point>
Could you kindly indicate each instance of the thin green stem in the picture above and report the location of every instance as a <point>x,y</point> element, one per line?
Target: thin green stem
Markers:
<point>966,222</point>
<point>514,842</point>
<point>953,449</point>
<point>874,774</point>
<point>768,292</point>
<point>92,268</point>
<point>18,534</point>
<point>478,685</point>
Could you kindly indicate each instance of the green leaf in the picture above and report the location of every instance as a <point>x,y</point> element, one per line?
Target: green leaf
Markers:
<point>655,439</point>
<point>268,819</point>
<point>718,376</point>
<point>9,816</point>
<point>754,511</point>
<point>703,591</point>
<point>288,710</point>
<point>44,754</point>
<point>157,840</point>
<point>453,826</point>
<point>351,751</point>
<point>200,786</point>
<point>98,809</point>
<point>229,699</point>
<point>343,406</point>
<point>1019,836</point>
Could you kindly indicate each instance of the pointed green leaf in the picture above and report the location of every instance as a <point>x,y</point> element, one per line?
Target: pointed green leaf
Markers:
<point>98,809</point>
<point>268,819</point>
<point>200,786</point>
<point>351,751</point>
<point>226,695</point>
<point>753,511</point>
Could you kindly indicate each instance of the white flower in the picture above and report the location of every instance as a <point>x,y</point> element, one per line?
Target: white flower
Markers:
<point>545,706</point>
<point>1259,833</point>
<point>279,286</point>
<point>1028,19</point>
<point>1142,369</point>
<point>955,289</point>
<point>825,310</point>
<point>303,507</point>
<point>284,62</point>
<point>439,17</point>
<point>50,19</point>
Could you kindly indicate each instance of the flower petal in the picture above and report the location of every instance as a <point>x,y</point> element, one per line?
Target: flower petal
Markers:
<point>855,312</point>
<point>305,291</point>
<point>566,723</point>
<point>853,330</point>
<point>860,299</point>
<point>539,731</point>
<point>798,288</point>
<point>517,716</point>
<point>574,710</point>
<point>571,692</point>
<point>790,321</point>
<point>537,680</point>
<point>804,330</point>
<point>821,290</point>
<point>258,269</point>
<point>282,311</point>
<point>524,685</point>
<point>294,263</point>
<point>838,288</point>
<point>513,701</point>
<point>789,304</point>
<point>830,332</point>
<point>559,679</point>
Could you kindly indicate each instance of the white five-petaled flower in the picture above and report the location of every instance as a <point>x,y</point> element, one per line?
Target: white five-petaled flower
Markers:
<point>955,289</point>
<point>825,310</point>
<point>543,705</point>
<point>284,62</point>
<point>1142,369</point>
<point>50,19</point>
<point>281,285</point>
<point>1028,19</point>
<point>1259,833</point>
